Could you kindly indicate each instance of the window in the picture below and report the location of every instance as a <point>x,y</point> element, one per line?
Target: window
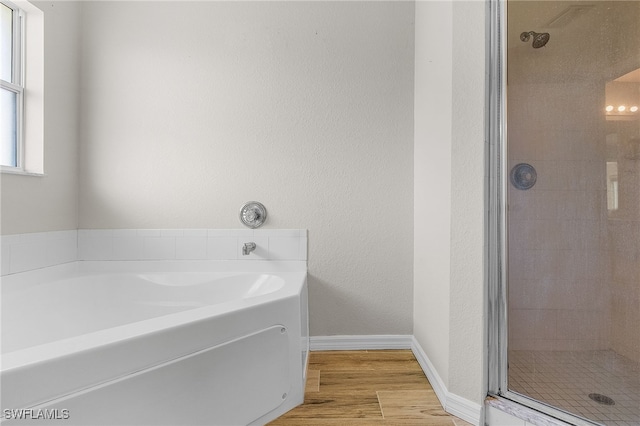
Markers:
<point>21,88</point>
<point>11,90</point>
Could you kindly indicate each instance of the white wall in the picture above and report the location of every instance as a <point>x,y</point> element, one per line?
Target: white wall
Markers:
<point>189,110</point>
<point>467,308</point>
<point>432,181</point>
<point>449,192</point>
<point>49,203</point>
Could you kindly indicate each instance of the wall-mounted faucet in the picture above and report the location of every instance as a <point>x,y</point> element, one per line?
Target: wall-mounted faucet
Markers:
<point>248,248</point>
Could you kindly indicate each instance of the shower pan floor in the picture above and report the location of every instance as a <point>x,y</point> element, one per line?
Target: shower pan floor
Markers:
<point>565,379</point>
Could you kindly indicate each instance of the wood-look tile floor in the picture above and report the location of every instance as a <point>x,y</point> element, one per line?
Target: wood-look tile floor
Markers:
<point>367,388</point>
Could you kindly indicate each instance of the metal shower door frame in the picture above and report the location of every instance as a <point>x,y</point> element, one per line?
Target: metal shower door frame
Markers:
<point>496,270</point>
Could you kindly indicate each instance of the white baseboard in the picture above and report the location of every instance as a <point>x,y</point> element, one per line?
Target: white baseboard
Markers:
<point>430,371</point>
<point>359,343</point>
<point>464,409</point>
<point>453,404</point>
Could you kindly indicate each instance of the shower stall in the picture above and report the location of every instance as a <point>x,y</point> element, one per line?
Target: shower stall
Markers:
<point>565,203</point>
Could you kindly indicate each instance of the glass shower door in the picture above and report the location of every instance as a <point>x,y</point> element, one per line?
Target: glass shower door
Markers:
<point>573,207</point>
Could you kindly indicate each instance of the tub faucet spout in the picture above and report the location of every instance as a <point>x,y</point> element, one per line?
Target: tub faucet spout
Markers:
<point>248,248</point>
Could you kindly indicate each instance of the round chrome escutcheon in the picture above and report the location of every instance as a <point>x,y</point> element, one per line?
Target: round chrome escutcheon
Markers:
<point>523,176</point>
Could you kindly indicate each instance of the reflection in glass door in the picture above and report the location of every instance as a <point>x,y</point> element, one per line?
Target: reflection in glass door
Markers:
<point>573,207</point>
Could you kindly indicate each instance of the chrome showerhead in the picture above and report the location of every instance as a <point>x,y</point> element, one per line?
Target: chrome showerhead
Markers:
<point>539,39</point>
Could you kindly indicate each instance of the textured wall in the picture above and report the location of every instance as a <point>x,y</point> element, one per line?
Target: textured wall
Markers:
<point>449,310</point>
<point>49,203</point>
<point>432,181</point>
<point>467,321</point>
<point>191,109</point>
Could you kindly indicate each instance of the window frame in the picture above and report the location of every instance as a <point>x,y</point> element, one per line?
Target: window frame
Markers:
<point>16,85</point>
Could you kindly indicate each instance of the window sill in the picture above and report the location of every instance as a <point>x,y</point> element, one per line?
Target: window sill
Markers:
<point>16,171</point>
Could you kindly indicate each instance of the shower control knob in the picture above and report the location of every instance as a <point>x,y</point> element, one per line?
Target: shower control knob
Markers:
<point>253,214</point>
<point>523,176</point>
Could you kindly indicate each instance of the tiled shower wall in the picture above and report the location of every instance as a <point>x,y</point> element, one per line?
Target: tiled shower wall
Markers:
<point>559,286</point>
<point>623,229</point>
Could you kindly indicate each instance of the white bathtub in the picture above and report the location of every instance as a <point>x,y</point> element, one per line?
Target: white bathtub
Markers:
<point>154,342</point>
